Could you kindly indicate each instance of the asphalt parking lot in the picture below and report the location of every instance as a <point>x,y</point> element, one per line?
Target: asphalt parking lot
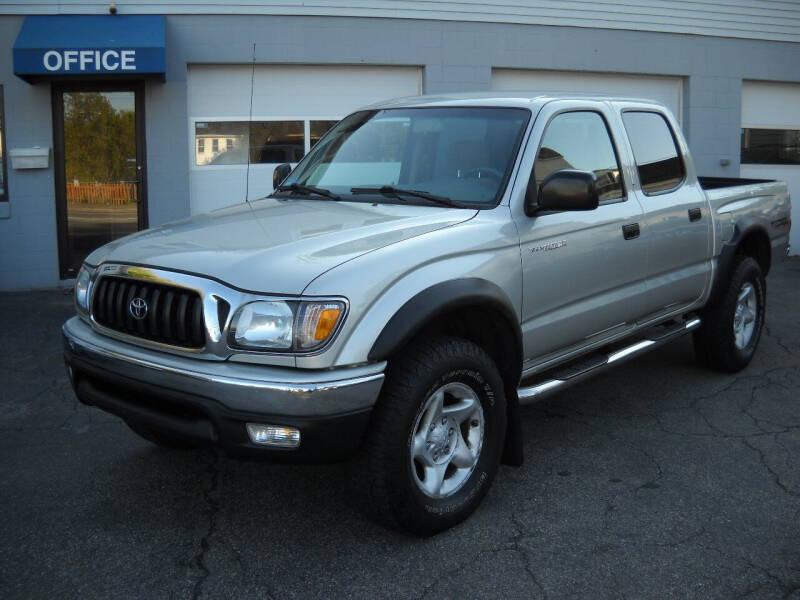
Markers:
<point>655,480</point>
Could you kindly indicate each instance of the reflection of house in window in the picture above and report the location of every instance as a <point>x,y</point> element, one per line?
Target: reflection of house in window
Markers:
<point>608,184</point>
<point>214,149</point>
<point>266,141</point>
<point>549,161</point>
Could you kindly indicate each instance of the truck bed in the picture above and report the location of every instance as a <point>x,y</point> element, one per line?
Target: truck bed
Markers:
<point>713,183</point>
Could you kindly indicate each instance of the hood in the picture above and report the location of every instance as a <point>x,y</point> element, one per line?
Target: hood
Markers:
<point>276,245</point>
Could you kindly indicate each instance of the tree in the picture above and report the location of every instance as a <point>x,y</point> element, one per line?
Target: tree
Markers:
<point>98,139</point>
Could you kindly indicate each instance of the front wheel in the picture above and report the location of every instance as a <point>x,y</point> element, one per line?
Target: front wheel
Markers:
<point>732,327</point>
<point>435,438</point>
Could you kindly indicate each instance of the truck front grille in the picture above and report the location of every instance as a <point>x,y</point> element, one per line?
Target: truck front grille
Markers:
<point>170,315</point>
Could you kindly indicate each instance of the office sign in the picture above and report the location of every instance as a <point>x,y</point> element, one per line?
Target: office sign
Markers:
<point>131,46</point>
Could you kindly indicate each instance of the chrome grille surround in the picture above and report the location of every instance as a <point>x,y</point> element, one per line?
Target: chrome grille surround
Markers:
<point>219,303</point>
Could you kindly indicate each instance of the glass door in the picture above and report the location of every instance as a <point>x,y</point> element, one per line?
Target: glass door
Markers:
<point>99,160</point>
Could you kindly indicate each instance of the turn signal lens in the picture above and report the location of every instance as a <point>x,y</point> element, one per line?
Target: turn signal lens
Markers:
<point>327,321</point>
<point>316,322</point>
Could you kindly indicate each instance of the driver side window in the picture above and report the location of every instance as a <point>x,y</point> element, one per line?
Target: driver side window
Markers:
<point>580,140</point>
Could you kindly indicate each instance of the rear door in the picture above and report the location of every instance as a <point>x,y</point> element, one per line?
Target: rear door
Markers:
<point>583,281</point>
<point>677,216</point>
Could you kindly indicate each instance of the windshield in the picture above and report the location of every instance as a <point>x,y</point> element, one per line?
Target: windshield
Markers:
<point>461,154</point>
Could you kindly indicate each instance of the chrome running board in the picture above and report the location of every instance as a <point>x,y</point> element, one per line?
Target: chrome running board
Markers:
<point>561,377</point>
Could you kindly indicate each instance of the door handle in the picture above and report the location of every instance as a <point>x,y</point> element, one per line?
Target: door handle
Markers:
<point>695,214</point>
<point>630,231</point>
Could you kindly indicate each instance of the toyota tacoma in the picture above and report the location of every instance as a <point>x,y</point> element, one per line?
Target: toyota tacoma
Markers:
<point>430,266</point>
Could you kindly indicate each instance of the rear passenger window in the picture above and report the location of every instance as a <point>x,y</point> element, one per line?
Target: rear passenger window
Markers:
<point>580,140</point>
<point>655,151</point>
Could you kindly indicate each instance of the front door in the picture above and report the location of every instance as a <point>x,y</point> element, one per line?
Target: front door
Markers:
<point>583,276</point>
<point>100,170</point>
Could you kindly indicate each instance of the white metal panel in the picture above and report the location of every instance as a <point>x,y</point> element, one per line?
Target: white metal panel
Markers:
<point>287,90</point>
<point>753,19</point>
<point>774,106</point>
<point>282,93</point>
<point>770,105</point>
<point>667,90</point>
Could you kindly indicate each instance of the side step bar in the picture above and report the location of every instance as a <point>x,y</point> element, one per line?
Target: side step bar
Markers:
<point>563,377</point>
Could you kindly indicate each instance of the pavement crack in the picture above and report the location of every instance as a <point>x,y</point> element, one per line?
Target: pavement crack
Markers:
<point>526,560</point>
<point>212,511</point>
<point>777,339</point>
<point>512,544</point>
<point>774,474</point>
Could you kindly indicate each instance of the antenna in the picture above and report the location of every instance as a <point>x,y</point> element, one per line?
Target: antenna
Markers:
<point>249,125</point>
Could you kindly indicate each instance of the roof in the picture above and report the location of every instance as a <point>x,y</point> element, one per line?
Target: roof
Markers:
<point>522,99</point>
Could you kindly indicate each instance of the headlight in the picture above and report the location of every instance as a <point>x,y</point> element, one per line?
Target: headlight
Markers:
<point>263,325</point>
<point>82,289</point>
<point>278,325</point>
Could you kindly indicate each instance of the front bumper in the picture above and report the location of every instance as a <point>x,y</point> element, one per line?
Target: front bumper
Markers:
<point>209,402</point>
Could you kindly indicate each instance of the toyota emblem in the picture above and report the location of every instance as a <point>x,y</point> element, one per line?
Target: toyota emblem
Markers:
<point>138,308</point>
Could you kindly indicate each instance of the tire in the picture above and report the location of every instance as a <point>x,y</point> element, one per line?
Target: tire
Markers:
<point>160,439</point>
<point>717,344</point>
<point>407,432</point>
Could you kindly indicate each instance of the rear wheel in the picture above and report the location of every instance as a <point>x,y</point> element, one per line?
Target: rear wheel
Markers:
<point>435,438</point>
<point>732,327</point>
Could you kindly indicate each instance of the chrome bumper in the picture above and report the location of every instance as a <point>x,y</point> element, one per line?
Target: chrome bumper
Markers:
<point>254,389</point>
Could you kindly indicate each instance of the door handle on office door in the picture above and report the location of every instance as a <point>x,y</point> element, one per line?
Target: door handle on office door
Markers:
<point>695,214</point>
<point>630,231</point>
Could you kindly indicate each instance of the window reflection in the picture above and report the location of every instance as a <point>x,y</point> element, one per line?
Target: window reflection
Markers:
<point>319,128</point>
<point>276,141</point>
<point>771,146</point>
<point>580,140</point>
<point>229,142</point>
<point>657,158</point>
<point>220,143</point>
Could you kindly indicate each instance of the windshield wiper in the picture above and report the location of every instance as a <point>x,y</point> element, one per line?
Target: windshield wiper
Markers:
<point>388,190</point>
<point>307,189</point>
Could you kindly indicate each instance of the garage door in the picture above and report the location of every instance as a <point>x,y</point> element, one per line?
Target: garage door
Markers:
<point>292,106</point>
<point>771,138</point>
<point>667,90</point>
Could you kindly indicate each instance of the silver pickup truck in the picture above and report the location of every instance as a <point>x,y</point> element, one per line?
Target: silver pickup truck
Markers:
<point>430,266</point>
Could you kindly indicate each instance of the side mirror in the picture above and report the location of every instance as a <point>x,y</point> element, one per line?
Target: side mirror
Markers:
<point>567,189</point>
<point>280,173</point>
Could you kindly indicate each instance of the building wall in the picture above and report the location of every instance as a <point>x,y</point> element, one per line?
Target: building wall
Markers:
<point>456,56</point>
<point>752,19</point>
<point>28,252</point>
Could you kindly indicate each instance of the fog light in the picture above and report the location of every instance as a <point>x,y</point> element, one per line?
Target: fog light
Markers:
<point>274,435</point>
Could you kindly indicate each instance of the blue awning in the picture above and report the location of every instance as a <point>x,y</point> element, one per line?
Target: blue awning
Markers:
<point>88,46</point>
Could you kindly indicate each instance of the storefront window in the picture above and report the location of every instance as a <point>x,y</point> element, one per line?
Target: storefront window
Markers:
<point>267,142</point>
<point>276,142</point>
<point>319,128</point>
<point>3,172</point>
<point>771,146</point>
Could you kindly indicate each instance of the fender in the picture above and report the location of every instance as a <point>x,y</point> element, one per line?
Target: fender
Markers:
<point>437,300</point>
<point>726,259</point>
